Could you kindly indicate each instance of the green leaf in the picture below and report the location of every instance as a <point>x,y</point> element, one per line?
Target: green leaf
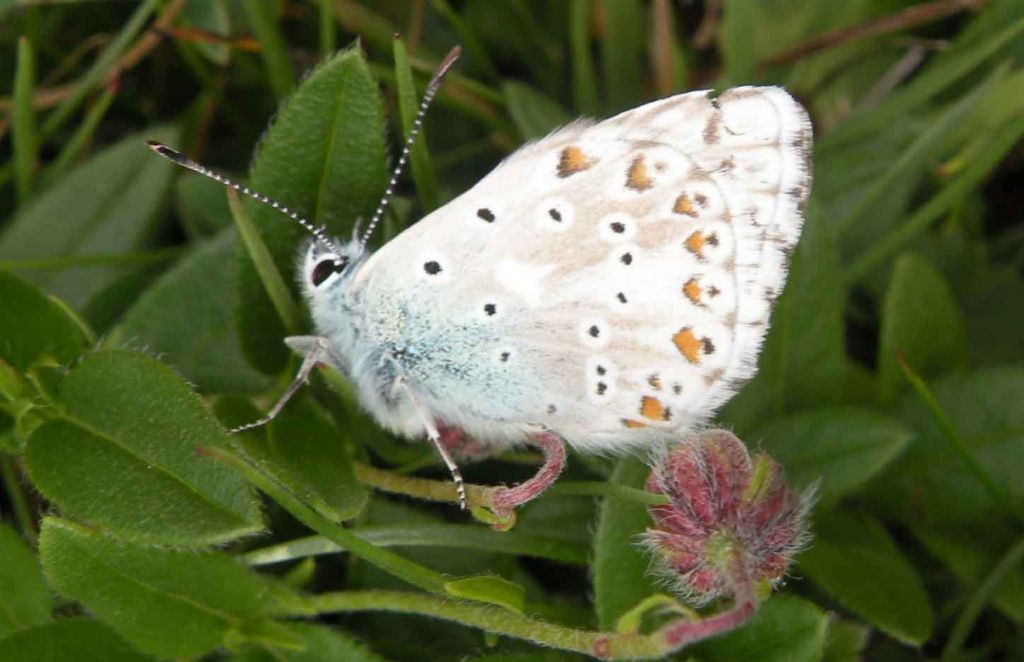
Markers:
<point>309,455</point>
<point>846,641</point>
<point>124,456</point>
<point>33,326</point>
<point>107,205</point>
<point>802,361</point>
<point>200,202</point>
<point>920,321</point>
<point>842,447</point>
<point>971,552</point>
<point>165,602</point>
<point>620,566</point>
<point>323,156</point>
<point>854,559</point>
<point>785,628</point>
<point>317,643</point>
<point>491,589</point>
<point>930,484</point>
<point>68,640</point>
<point>24,597</point>
<point>188,317</point>
<point>534,114</point>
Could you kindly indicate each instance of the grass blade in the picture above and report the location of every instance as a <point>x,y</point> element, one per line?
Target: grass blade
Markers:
<point>419,158</point>
<point>275,53</point>
<point>272,280</point>
<point>26,140</point>
<point>82,135</point>
<point>584,78</point>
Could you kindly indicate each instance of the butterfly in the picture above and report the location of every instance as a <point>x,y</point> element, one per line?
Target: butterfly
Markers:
<point>608,286</point>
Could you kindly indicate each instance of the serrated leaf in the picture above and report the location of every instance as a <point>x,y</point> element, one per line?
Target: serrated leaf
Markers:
<point>841,447</point>
<point>68,640</point>
<point>123,455</point>
<point>88,212</point>
<point>920,322</point>
<point>856,562</point>
<point>802,363</point>
<point>24,597</point>
<point>165,602</point>
<point>620,566</point>
<point>785,628</point>
<point>490,589</point>
<point>534,114</point>
<point>33,326</point>
<point>188,317</point>
<point>322,156</point>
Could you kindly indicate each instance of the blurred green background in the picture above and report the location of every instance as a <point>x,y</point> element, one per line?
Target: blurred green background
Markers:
<point>892,374</point>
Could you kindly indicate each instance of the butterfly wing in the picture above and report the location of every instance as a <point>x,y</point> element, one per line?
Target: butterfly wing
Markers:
<point>612,281</point>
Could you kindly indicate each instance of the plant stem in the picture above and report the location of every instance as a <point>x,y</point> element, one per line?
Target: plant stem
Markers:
<point>22,512</point>
<point>998,493</point>
<point>409,571</point>
<point>422,488</point>
<point>604,645</point>
<point>979,599</point>
<point>623,492</point>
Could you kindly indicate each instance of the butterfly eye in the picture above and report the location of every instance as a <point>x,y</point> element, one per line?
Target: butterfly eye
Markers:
<point>324,268</point>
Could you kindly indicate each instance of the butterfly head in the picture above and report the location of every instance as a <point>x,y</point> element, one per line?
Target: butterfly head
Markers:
<point>324,266</point>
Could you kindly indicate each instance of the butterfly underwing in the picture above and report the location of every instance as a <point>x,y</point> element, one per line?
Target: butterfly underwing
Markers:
<point>609,285</point>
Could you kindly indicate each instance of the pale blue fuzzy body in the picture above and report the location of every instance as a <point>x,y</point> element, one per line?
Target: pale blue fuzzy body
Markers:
<point>395,349</point>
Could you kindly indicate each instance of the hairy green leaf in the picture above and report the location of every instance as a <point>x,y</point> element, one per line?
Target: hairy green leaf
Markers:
<point>33,326</point>
<point>123,455</point>
<point>322,156</point>
<point>855,560</point>
<point>88,213</point>
<point>24,597</point>
<point>187,316</point>
<point>621,579</point>
<point>68,640</point>
<point>842,447</point>
<point>165,602</point>
<point>921,323</point>
<point>784,629</point>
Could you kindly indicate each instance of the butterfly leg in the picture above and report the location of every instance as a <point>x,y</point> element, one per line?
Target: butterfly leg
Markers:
<point>315,350</point>
<point>438,440</point>
<point>507,498</point>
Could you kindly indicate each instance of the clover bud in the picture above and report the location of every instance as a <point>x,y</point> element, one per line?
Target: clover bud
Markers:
<point>733,525</point>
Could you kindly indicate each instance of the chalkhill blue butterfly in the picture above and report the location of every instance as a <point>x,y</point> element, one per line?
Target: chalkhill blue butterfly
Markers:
<point>608,286</point>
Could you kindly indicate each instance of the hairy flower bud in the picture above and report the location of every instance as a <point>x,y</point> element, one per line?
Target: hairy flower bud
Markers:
<point>733,523</point>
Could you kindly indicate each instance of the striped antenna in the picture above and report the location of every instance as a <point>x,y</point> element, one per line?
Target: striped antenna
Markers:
<point>178,158</point>
<point>428,96</point>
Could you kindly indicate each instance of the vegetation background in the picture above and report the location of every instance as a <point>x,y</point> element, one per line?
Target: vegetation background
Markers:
<point>892,372</point>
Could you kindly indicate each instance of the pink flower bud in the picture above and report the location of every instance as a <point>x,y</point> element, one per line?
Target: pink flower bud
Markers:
<point>733,524</point>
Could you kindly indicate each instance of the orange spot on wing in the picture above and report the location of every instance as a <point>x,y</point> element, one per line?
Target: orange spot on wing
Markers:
<point>692,290</point>
<point>695,243</point>
<point>629,423</point>
<point>688,344</point>
<point>684,205</point>
<point>573,160</point>
<point>652,409</point>
<point>637,177</point>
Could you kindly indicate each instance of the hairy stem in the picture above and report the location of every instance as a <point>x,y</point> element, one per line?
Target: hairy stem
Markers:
<point>605,645</point>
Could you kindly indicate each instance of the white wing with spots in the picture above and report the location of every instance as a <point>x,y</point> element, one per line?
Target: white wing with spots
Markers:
<point>612,282</point>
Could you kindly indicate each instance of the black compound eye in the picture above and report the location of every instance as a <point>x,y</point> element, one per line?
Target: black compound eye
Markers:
<point>324,268</point>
